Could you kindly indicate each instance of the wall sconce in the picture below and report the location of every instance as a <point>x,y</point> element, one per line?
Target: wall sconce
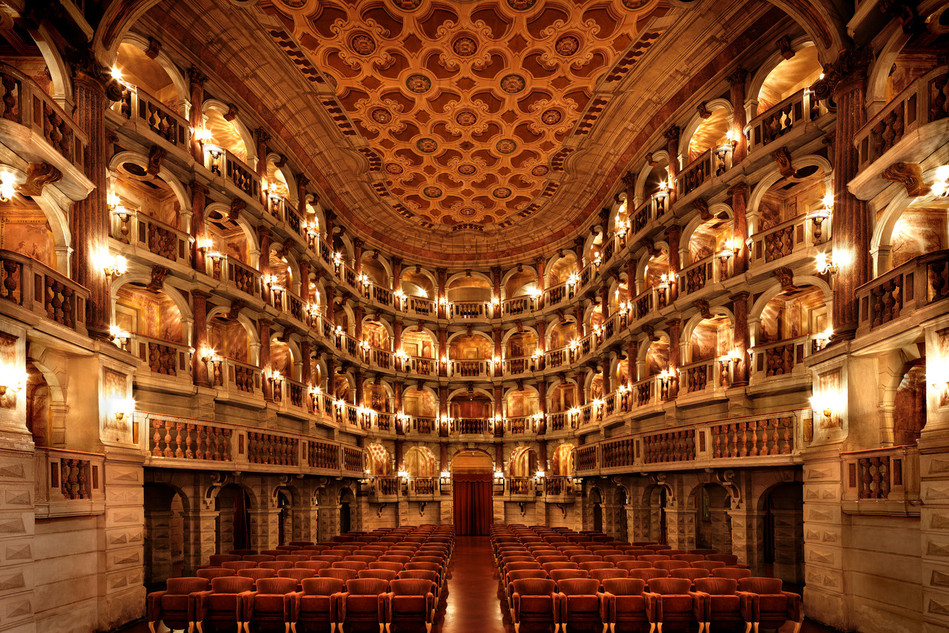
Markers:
<point>337,261</point>
<point>7,186</point>
<point>663,191</point>
<point>940,188</point>
<point>833,262</point>
<point>12,381</point>
<point>573,279</point>
<point>732,137</point>
<point>823,338</point>
<point>444,482</point>
<point>538,419</point>
<point>363,279</point>
<point>117,209</point>
<point>113,265</point>
<point>273,282</point>
<point>121,408</point>
<point>209,355</point>
<point>665,279</point>
<point>821,214</point>
<point>827,405</point>
<point>312,229</point>
<point>597,258</point>
<point>205,244</point>
<point>313,310</point>
<point>118,336</point>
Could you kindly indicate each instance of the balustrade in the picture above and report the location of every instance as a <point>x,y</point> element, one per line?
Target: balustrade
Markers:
<point>43,291</point>
<point>699,275</point>
<point>162,357</point>
<point>178,439</point>
<point>468,309</point>
<point>472,426</point>
<point>587,458</point>
<point>468,368</point>
<point>904,290</point>
<point>424,485</point>
<point>882,480</point>
<point>785,239</point>
<point>672,446</point>
<point>68,483</point>
<point>793,112</point>
<point>521,486</point>
<point>323,455</point>
<point>138,105</point>
<point>698,376</point>
<point>517,305</point>
<point>769,436</point>
<point>223,163</point>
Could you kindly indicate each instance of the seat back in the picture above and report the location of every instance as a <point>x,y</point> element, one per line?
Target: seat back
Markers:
<point>648,574</point>
<point>534,586</point>
<point>411,587</point>
<point>384,574</point>
<point>563,574</point>
<point>322,586</point>
<point>366,586</point>
<point>396,567</point>
<point>578,586</point>
<point>633,564</point>
<point>670,564</point>
<point>215,560</point>
<point>355,565</point>
<point>232,584</point>
<point>315,565</point>
<point>257,573</point>
<point>276,586</point>
<point>760,585</point>
<point>717,586</point>
<point>549,567</point>
<point>235,565</point>
<point>708,564</point>
<point>624,586</point>
<point>185,585</point>
<point>212,572</point>
<point>418,574</point>
<point>612,572</point>
<point>297,573</point>
<point>259,558</point>
<point>734,573</point>
<point>337,572</point>
<point>688,557</point>
<point>651,558</point>
<point>689,572</point>
<point>276,564</point>
<point>669,586</point>
<point>728,559</point>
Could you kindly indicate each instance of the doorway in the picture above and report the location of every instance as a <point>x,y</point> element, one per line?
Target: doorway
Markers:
<point>472,481</point>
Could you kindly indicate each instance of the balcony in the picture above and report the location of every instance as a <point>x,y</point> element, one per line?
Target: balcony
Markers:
<point>782,359</point>
<point>68,483</point>
<point>559,490</point>
<point>41,290</point>
<point>903,295</point>
<point>793,114</point>
<point>882,481</point>
<point>708,165</point>
<point>469,309</point>
<point>236,380</point>
<point>472,426</point>
<point>234,171</point>
<point>707,378</point>
<point>469,368</point>
<point>778,244</point>
<point>163,359</point>
<point>172,442</point>
<point>142,232</point>
<point>520,489</point>
<point>152,118</point>
<point>907,129</point>
<point>236,275</point>
<point>423,489</point>
<point>760,440</point>
<point>37,130</point>
<point>701,276</point>
<point>384,489</point>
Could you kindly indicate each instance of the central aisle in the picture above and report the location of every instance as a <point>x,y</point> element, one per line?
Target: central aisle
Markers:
<point>473,605</point>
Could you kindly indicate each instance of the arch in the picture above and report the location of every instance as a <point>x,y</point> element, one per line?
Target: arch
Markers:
<point>659,158</point>
<point>775,289</point>
<point>688,231</point>
<point>424,273</point>
<point>181,192</point>
<point>273,159</point>
<point>469,459</point>
<point>179,296</point>
<point>178,80</point>
<point>882,238</point>
<point>765,69</point>
<point>773,176</point>
<point>253,335</point>
<point>243,131</point>
<point>819,21</point>
<point>419,461</point>
<point>697,121</point>
<point>250,232</point>
<point>115,23</point>
<point>523,277</point>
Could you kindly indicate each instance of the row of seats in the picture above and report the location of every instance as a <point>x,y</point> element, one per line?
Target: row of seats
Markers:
<point>388,576</point>
<point>634,594</point>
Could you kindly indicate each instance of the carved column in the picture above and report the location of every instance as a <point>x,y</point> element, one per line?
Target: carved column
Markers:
<point>739,194</point>
<point>199,369</point>
<point>853,223</point>
<point>360,397</point>
<point>358,314</point>
<point>578,252</point>
<point>442,352</point>
<point>331,375</point>
<point>672,237</point>
<point>305,281</point>
<point>736,81</point>
<point>632,353</point>
<point>199,229</point>
<point>306,349</point>
<point>263,138</point>
<point>89,220</point>
<point>357,256</point>
<point>396,273</point>
<point>330,225</point>
<point>675,353</point>
<point>742,338</point>
<point>672,148</point>
<point>302,182</point>
<point>331,305</point>
<point>605,302</point>
<point>263,265</point>
<point>396,336</point>
<point>196,81</point>
<point>264,364</point>
<point>442,299</point>
<point>631,286</point>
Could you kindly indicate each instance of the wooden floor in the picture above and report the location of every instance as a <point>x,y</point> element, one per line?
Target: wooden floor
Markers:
<point>471,603</point>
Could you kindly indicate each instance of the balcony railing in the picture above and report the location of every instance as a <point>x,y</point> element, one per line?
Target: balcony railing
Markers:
<point>700,275</point>
<point>162,357</point>
<point>468,309</point>
<point>469,368</point>
<point>518,305</point>
<point>882,481</point>
<point>778,120</point>
<point>922,102</point>
<point>137,105</point>
<point>25,103</point>
<point>223,163</point>
<point>42,290</point>
<point>903,291</point>
<point>156,237</point>
<point>781,358</point>
<point>68,483</point>
<point>785,239</point>
<point>710,163</point>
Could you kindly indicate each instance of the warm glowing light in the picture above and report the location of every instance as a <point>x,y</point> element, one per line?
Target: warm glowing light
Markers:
<point>11,379</point>
<point>539,474</point>
<point>7,186</point>
<point>940,187</point>
<point>573,279</point>
<point>116,73</point>
<point>112,265</point>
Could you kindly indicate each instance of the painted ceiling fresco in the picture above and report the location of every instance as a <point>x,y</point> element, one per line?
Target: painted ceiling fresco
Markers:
<point>464,108</point>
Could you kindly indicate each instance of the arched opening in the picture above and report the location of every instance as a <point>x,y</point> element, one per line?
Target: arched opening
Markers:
<point>224,134</point>
<point>472,474</point>
<point>656,500</point>
<point>711,339</point>
<point>281,271</point>
<point>376,334</point>
<point>419,461</point>
<point>284,515</point>
<point>227,238</point>
<point>788,324</point>
<point>346,501</point>
<point>164,535</point>
<point>343,390</point>
<point>657,357</point>
<point>782,508</point>
<point>467,354</point>
<point>470,405</point>
<point>374,270</point>
<point>711,132</point>
<point>560,335</point>
<point>419,402</point>
<point>469,289</point>
<point>39,419</point>
<point>788,77</point>
<point>563,270</point>
<point>563,397</point>
<point>779,222</point>
<point>523,464</point>
<point>562,462</point>
<point>521,283</point>
<point>596,507</point>
<point>519,352</point>
<point>377,398</point>
<point>276,182</point>
<point>920,229</point>
<point>656,180</point>
<point>145,73</point>
<point>233,519</point>
<point>417,284</point>
<point>521,403</point>
<point>713,528</point>
<point>909,405</point>
<point>281,359</point>
<point>26,230</point>
<point>418,343</point>
<point>378,462</point>
<point>229,339</point>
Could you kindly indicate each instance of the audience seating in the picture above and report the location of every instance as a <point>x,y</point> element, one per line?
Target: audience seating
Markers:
<point>175,606</point>
<point>214,572</point>
<point>363,602</point>
<point>579,602</point>
<point>534,601</point>
<point>624,603</point>
<point>222,605</point>
<point>256,573</point>
<point>735,573</point>
<point>411,601</point>
<point>237,565</point>
<point>719,602</point>
<point>674,602</point>
<point>297,573</point>
<point>771,606</point>
<point>269,603</point>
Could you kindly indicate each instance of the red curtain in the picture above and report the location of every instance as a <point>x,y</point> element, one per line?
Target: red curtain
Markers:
<point>241,521</point>
<point>474,508</point>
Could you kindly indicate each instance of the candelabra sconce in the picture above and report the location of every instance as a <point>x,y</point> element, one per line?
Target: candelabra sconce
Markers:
<point>364,350</point>
<point>623,313</point>
<point>7,186</point>
<point>12,381</point>
<point>573,416</point>
<point>822,339</point>
<point>668,381</point>
<point>827,264</point>
<point>572,282</point>
<point>624,392</point>
<point>726,364</point>
<point>119,336</point>
<point>940,188</point>
<point>723,257</point>
<point>114,266</point>
<point>312,229</point>
<point>403,476</point>
<point>313,398</point>
<point>539,478</point>
<point>826,407</point>
<point>337,261</point>
<point>498,483</point>
<point>539,422</point>
<point>722,155</point>
<point>597,259</point>
<point>213,363</point>
<point>338,333</point>
<point>122,213</point>
<point>313,311</point>
<point>275,381</point>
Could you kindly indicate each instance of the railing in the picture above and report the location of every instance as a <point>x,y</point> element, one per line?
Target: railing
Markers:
<point>924,101</point>
<point>352,460</point>
<point>785,239</point>
<point>904,290</point>
<point>671,446</point>
<point>419,306</point>
<point>422,366</point>
<point>386,486</point>
<point>558,486</point>
<point>42,290</point>
<point>768,436</point>
<point>517,305</point>
<point>223,163</point>
<point>468,309</point>
<point>699,275</point>
<point>877,476</point>
<point>159,119</point>
<point>156,237</point>
<point>795,111</point>
<point>649,301</point>
<point>191,440</point>
<point>699,376</point>
<point>234,376</point>
<point>382,295</point>
<point>68,483</point>
<point>423,425</point>
<point>587,458</point>
<point>521,486</point>
<point>323,455</point>
<point>24,103</point>
<point>468,368</point>
<point>472,426</point>
<point>423,486</point>
<point>782,357</point>
<point>695,174</point>
<point>272,450</point>
<point>162,357</point>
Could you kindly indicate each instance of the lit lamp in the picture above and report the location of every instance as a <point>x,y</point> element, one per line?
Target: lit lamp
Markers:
<point>12,381</point>
<point>121,409</point>
<point>119,336</point>
<point>940,187</point>
<point>313,310</point>
<point>666,378</point>
<point>823,338</point>
<point>444,482</point>
<point>7,186</point>
<point>573,279</point>
<point>821,214</point>
<point>499,482</point>
<point>830,264</point>
<point>538,420</point>
<point>314,393</point>
<point>113,265</point>
<point>337,261</point>
<point>826,405</point>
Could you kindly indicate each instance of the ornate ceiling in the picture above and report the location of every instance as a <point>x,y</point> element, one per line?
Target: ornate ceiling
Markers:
<point>464,107</point>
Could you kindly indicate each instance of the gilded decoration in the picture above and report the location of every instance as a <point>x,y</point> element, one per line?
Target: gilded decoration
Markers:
<point>467,104</point>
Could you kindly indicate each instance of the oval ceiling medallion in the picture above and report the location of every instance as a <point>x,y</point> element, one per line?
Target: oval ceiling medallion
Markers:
<point>394,168</point>
<point>418,84</point>
<point>466,169</point>
<point>381,116</point>
<point>407,5</point>
<point>551,117</point>
<point>426,145</point>
<point>521,5</point>
<point>432,192</point>
<point>512,84</point>
<point>467,211</point>
<point>501,193</point>
<point>540,170</point>
<point>567,45</point>
<point>465,118</point>
<point>464,46</point>
<point>362,43</point>
<point>635,4</point>
<point>506,146</point>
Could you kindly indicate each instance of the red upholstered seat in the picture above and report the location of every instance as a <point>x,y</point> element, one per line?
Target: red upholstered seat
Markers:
<point>411,601</point>
<point>549,567</point>
<point>708,564</point>
<point>257,573</point>
<point>735,573</point>
<point>222,606</point>
<point>175,606</point>
<point>259,558</point>
<point>670,564</point>
<point>276,564</point>
<point>337,572</point>
<point>563,574</point>
<point>363,602</point>
<point>633,564</point>
<point>534,602</point>
<point>383,574</point>
<point>689,572</point>
<point>720,602</point>
<point>648,574</point>
<point>269,603</point>
<point>590,565</point>
<point>651,558</point>
<point>297,573</point>
<point>623,604</point>
<point>396,567</point>
<point>610,572</point>
<point>315,565</point>
<point>675,604</point>
<point>688,557</point>
<point>512,576</point>
<point>315,607</point>
<point>771,606</point>
<point>215,560</point>
<point>236,565</point>
<point>214,572</point>
<point>579,602</point>
<point>355,565</point>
